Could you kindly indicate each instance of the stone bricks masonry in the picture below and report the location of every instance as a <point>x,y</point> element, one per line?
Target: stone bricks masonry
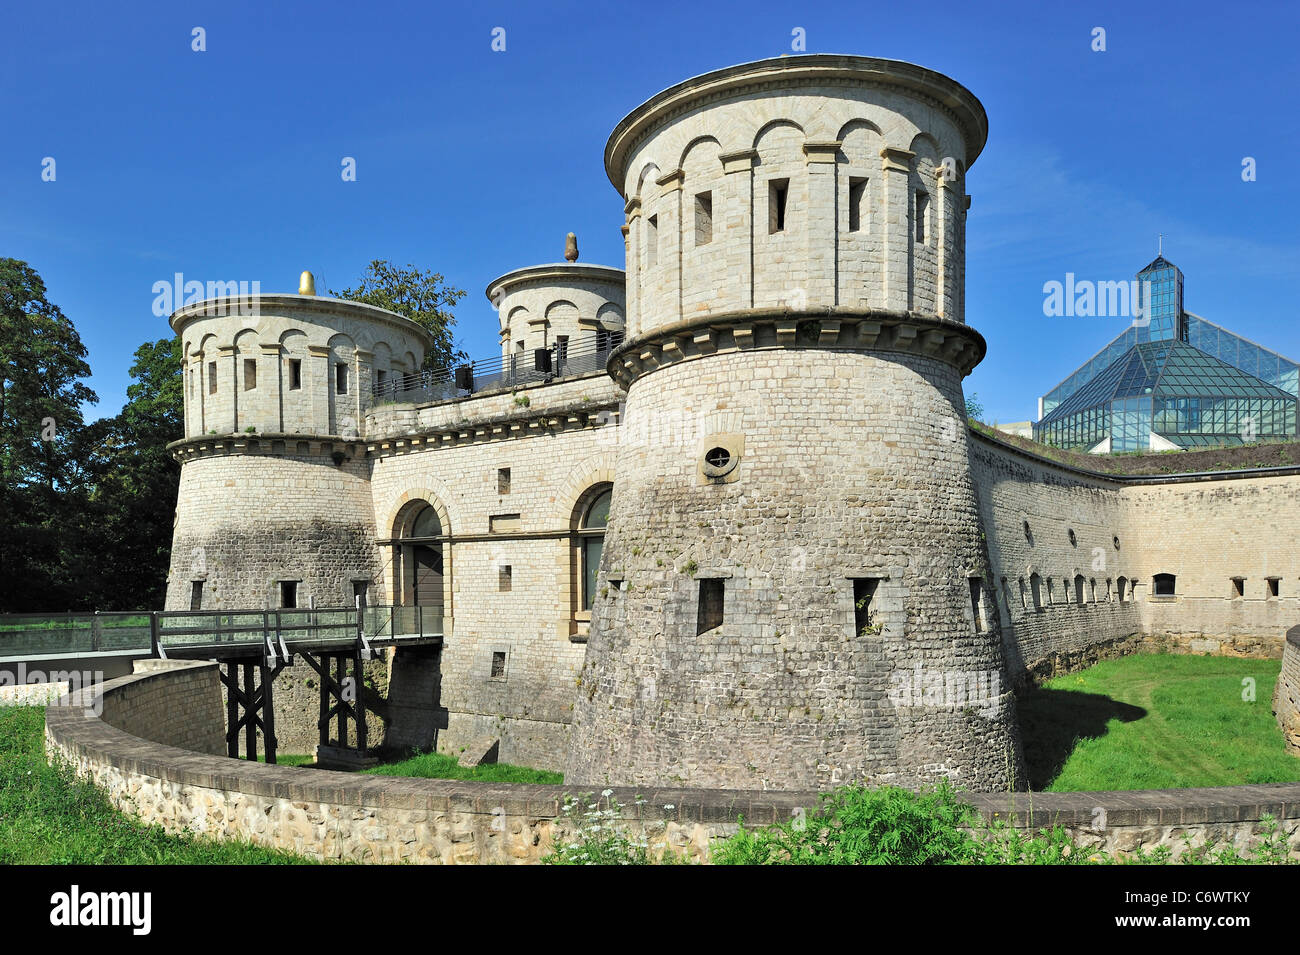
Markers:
<point>1286,693</point>
<point>337,816</point>
<point>171,702</point>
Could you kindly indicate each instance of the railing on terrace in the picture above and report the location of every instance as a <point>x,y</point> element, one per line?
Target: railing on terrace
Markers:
<point>521,368</point>
<point>37,635</point>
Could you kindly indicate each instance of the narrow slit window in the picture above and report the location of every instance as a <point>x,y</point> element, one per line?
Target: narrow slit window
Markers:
<point>865,620</point>
<point>505,578</point>
<point>703,218</point>
<point>1121,586</point>
<point>1274,586</point>
<point>503,480</point>
<point>340,379</point>
<point>250,374</point>
<point>922,213</point>
<point>712,593</point>
<point>778,191</point>
<point>212,377</point>
<point>498,665</point>
<point>295,374</point>
<point>857,203</point>
<point>977,602</point>
<point>1036,590</point>
<point>1238,587</point>
<point>652,241</point>
<point>196,595</point>
<point>1078,589</point>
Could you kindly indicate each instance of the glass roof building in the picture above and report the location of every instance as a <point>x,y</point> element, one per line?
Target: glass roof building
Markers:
<point>1171,380</point>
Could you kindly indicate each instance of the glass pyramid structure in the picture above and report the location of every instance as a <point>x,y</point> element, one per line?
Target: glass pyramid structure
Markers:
<point>1176,377</point>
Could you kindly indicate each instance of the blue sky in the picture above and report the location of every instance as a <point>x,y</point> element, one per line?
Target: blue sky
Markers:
<point>224,165</point>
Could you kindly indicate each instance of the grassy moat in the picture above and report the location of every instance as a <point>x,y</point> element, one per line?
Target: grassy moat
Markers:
<point>1142,722</point>
<point>1156,722</point>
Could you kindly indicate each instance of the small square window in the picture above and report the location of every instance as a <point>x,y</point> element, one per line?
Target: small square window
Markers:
<point>865,622</point>
<point>709,616</point>
<point>704,218</point>
<point>857,203</point>
<point>778,192</point>
<point>651,241</point>
<point>977,602</point>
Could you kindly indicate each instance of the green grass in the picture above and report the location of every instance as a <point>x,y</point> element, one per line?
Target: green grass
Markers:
<point>290,759</point>
<point>1155,721</point>
<point>48,816</point>
<point>438,766</point>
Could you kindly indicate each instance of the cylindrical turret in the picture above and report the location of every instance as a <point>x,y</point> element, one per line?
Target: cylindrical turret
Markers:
<point>274,506</point>
<point>793,561</point>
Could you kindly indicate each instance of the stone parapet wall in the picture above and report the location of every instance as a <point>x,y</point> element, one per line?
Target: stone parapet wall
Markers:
<point>176,703</point>
<point>329,815</point>
<point>1084,534</point>
<point>1286,693</point>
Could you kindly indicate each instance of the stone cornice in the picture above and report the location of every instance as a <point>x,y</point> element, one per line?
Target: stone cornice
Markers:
<point>210,445</point>
<point>555,273</point>
<point>573,417</point>
<point>791,72</point>
<point>840,329</point>
<point>289,306</point>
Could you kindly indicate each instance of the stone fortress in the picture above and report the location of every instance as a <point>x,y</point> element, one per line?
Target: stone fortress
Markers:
<point>717,520</point>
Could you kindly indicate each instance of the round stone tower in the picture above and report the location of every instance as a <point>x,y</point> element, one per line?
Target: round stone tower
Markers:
<point>547,305</point>
<point>794,589</point>
<point>274,506</point>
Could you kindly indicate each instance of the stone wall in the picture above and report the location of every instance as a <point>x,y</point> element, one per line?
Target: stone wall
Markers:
<point>842,471</point>
<point>338,816</point>
<point>558,447</point>
<point>176,703</point>
<point>1085,535</point>
<point>254,512</point>
<point>1286,693</point>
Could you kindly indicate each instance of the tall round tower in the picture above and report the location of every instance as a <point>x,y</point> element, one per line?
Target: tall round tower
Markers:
<point>793,589</point>
<point>275,506</point>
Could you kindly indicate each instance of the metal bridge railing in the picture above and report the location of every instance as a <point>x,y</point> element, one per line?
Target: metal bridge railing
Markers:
<point>31,636</point>
<point>36,635</point>
<point>522,368</point>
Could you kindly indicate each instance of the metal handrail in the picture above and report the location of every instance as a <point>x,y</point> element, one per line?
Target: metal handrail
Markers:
<point>501,371</point>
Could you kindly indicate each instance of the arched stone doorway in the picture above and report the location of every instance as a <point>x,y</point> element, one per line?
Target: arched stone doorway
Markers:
<point>420,560</point>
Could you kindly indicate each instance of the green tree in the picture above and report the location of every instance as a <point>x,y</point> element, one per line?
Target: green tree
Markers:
<point>974,407</point>
<point>137,481</point>
<point>423,297</point>
<point>45,447</point>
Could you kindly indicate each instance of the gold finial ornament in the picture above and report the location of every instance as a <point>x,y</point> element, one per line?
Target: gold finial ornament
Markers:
<point>306,284</point>
<point>571,247</point>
